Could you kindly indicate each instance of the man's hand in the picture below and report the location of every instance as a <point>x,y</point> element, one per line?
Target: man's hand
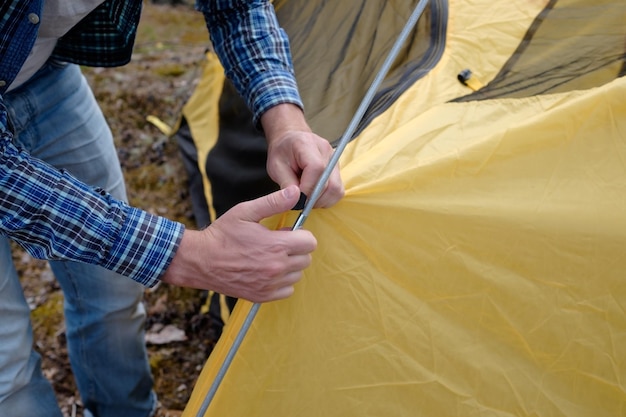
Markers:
<point>298,156</point>
<point>237,256</point>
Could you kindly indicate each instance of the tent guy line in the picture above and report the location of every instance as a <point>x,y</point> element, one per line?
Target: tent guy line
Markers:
<point>319,187</point>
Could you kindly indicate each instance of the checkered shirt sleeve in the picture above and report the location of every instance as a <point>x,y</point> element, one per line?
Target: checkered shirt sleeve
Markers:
<point>54,216</point>
<point>254,51</point>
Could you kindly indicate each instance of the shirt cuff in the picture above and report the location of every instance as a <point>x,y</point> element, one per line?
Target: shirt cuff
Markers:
<point>267,92</point>
<point>145,246</point>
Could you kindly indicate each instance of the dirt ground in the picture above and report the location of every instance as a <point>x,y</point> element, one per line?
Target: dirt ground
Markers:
<point>166,64</point>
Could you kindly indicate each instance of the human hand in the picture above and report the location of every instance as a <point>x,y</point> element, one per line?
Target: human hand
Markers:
<point>298,156</point>
<point>239,257</point>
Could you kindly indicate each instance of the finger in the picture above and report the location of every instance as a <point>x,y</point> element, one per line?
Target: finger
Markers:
<point>284,174</point>
<point>282,293</point>
<point>298,263</point>
<point>286,287</point>
<point>269,205</point>
<point>313,162</point>
<point>297,242</point>
<point>333,192</point>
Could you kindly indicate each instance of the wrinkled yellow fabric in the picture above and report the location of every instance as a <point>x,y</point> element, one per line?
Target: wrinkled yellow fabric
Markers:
<point>474,268</point>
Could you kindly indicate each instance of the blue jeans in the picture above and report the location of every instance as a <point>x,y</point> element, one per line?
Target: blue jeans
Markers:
<point>57,119</point>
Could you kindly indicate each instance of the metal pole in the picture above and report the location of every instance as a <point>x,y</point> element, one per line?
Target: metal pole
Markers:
<point>319,187</point>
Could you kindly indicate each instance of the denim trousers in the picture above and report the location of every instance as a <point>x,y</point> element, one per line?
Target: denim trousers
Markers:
<point>57,119</point>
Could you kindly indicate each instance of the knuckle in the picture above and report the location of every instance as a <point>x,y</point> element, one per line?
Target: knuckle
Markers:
<point>338,190</point>
<point>274,269</point>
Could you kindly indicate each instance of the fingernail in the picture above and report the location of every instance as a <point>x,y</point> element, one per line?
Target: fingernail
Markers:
<point>289,192</point>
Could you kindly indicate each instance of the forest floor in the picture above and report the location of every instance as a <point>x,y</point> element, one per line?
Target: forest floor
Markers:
<point>166,64</point>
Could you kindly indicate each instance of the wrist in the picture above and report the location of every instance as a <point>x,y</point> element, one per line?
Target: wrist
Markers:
<point>184,263</point>
<point>281,119</point>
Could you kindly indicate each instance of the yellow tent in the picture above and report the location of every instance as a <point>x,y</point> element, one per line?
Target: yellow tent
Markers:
<point>477,265</point>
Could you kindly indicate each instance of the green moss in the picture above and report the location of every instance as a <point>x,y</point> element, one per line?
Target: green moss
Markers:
<point>48,317</point>
<point>160,24</point>
<point>156,360</point>
<point>170,70</point>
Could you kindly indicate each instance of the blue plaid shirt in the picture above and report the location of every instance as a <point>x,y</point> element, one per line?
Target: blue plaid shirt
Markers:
<point>54,216</point>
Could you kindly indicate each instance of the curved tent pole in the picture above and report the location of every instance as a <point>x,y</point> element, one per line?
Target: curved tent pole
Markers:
<point>319,187</point>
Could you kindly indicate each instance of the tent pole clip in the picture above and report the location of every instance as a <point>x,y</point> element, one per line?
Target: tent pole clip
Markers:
<point>466,78</point>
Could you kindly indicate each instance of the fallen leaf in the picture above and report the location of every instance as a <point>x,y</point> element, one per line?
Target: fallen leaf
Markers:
<point>165,335</point>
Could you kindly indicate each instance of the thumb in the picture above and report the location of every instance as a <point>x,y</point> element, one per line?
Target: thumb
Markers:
<point>269,205</point>
<point>284,176</point>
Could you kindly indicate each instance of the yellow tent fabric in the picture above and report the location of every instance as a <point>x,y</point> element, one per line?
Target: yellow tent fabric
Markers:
<point>476,266</point>
<point>202,114</point>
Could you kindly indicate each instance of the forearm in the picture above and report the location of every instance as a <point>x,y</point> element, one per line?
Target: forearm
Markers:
<point>54,216</point>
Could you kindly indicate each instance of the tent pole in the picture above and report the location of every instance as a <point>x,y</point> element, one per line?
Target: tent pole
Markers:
<point>358,115</point>
<point>319,187</point>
